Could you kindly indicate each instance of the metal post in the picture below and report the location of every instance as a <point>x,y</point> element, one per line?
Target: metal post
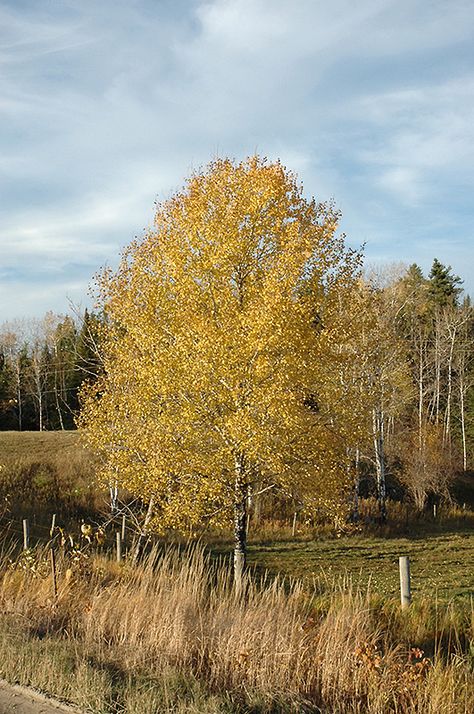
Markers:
<point>53,572</point>
<point>26,534</point>
<point>405,589</point>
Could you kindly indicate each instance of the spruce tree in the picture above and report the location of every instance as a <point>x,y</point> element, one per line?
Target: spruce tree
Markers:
<point>444,286</point>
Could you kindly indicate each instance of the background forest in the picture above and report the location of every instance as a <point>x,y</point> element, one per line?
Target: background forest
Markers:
<point>419,358</point>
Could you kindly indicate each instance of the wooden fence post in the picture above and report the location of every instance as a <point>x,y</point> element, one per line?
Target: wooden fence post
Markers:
<point>405,589</point>
<point>26,534</point>
<point>53,572</point>
<point>119,547</point>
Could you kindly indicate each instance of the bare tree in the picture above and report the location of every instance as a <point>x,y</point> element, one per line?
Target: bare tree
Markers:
<point>429,467</point>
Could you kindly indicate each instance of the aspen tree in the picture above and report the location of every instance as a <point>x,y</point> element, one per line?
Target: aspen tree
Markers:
<point>384,374</point>
<point>221,348</point>
<point>464,368</point>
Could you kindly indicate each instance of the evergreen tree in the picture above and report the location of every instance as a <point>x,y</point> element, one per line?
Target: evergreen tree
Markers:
<point>444,286</point>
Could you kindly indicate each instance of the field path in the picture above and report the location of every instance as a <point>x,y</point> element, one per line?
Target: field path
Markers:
<point>21,700</point>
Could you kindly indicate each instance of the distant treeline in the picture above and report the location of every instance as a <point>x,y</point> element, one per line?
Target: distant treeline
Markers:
<point>43,363</point>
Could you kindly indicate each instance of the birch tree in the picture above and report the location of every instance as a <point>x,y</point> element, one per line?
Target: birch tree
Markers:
<point>387,374</point>
<point>464,373</point>
<point>221,337</point>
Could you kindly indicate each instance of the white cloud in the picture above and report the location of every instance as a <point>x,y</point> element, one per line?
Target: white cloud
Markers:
<point>425,138</point>
<point>403,182</point>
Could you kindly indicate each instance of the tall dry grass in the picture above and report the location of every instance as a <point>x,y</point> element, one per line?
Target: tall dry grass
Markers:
<point>269,648</point>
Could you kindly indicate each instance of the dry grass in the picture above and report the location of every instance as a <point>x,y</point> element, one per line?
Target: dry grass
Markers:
<point>115,638</point>
<point>39,445</point>
<point>46,472</point>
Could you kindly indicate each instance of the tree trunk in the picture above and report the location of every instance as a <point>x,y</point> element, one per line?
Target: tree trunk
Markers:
<point>240,522</point>
<point>57,387</point>
<point>58,406</point>
<point>447,421</point>
<point>40,410</point>
<point>438,373</point>
<point>113,493</point>
<point>20,408</point>
<point>378,428</point>
<point>257,510</point>
<point>355,512</point>
<point>420,395</point>
<point>143,533</point>
<point>463,423</point>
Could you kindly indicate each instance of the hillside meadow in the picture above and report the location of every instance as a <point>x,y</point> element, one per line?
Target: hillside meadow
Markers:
<point>50,472</point>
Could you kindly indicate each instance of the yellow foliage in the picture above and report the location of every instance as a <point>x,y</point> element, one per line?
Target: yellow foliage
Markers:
<point>227,335</point>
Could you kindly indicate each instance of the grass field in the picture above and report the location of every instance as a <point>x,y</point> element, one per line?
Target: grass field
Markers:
<point>46,472</point>
<point>442,564</point>
<point>37,445</point>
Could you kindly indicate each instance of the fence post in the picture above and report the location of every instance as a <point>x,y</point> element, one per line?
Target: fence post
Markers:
<point>293,529</point>
<point>434,510</point>
<point>53,525</point>
<point>26,534</point>
<point>405,590</point>
<point>53,572</point>
<point>119,547</point>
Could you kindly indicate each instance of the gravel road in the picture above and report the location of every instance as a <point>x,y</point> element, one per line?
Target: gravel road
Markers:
<point>21,700</point>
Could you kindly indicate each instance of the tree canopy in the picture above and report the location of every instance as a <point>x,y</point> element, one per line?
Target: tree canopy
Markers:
<point>224,347</point>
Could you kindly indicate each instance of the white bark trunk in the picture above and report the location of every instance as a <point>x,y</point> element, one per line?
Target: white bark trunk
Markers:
<point>463,424</point>
<point>240,522</point>
<point>378,430</point>
<point>420,395</point>
<point>143,533</point>
<point>447,421</point>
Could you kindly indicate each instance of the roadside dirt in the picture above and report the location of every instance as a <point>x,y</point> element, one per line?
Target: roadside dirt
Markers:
<point>21,700</point>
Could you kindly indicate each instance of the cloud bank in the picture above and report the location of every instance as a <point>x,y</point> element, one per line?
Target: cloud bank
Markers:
<point>105,107</point>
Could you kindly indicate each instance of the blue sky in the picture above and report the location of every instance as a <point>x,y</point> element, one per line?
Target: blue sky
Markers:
<point>106,106</point>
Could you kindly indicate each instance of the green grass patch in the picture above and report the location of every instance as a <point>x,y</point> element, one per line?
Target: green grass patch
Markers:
<point>441,563</point>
